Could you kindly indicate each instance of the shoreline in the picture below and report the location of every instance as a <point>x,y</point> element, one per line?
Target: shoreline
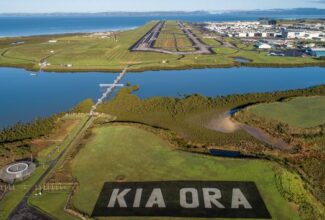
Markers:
<point>69,33</point>
<point>190,67</point>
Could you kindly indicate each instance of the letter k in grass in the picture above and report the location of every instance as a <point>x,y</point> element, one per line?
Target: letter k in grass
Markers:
<point>119,197</point>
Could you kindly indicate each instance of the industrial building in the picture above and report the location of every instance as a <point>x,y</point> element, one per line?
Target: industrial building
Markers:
<point>317,52</point>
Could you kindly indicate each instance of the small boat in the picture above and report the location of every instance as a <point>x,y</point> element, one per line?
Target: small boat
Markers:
<point>33,74</point>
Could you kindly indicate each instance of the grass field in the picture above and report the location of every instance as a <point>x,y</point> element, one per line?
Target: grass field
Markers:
<point>86,52</point>
<point>142,156</point>
<point>304,112</point>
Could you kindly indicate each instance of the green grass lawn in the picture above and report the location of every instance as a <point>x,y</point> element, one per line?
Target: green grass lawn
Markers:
<point>304,112</point>
<point>137,155</point>
<point>53,203</point>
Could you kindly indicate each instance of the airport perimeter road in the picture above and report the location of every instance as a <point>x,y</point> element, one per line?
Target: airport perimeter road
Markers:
<point>146,43</point>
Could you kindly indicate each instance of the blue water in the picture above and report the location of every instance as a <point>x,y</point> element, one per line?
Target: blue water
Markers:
<point>38,25</point>
<point>24,97</point>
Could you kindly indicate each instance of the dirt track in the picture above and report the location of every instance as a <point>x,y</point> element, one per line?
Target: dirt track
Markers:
<point>225,124</point>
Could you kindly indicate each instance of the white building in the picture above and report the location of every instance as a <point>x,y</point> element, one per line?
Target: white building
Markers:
<point>242,34</point>
<point>264,46</point>
<point>302,34</point>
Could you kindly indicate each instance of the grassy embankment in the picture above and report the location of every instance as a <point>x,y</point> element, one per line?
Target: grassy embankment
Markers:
<point>92,53</point>
<point>44,149</point>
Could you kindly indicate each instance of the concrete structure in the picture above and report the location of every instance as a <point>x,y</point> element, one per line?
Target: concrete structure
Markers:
<point>302,34</point>
<point>17,172</point>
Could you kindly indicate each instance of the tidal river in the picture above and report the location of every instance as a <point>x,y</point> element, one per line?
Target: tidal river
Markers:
<point>24,97</point>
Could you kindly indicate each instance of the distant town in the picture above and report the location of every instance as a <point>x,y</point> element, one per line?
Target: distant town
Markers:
<point>282,38</point>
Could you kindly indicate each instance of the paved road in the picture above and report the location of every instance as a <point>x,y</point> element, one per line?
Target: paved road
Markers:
<point>146,43</point>
<point>23,211</point>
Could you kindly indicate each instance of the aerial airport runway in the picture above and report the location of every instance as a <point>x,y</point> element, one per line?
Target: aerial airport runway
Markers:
<point>146,43</point>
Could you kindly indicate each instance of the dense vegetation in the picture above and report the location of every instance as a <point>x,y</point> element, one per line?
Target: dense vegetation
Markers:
<point>84,106</point>
<point>16,141</point>
<point>189,115</point>
<point>34,129</point>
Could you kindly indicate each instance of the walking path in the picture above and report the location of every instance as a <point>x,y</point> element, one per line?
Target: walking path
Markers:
<point>109,90</point>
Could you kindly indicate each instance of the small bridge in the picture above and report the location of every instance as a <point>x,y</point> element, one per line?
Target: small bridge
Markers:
<point>109,88</point>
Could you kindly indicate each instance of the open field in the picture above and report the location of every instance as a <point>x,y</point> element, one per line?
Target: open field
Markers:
<point>304,112</point>
<point>87,52</point>
<point>145,157</point>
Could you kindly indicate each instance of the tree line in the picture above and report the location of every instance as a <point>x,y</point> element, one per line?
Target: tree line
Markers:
<point>23,131</point>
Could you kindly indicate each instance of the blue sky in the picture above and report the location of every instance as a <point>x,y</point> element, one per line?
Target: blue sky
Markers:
<point>7,6</point>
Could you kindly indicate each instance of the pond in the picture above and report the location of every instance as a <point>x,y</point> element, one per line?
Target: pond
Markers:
<point>241,60</point>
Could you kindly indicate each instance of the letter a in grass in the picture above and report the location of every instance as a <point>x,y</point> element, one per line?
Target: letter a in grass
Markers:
<point>238,199</point>
<point>119,197</point>
<point>156,198</point>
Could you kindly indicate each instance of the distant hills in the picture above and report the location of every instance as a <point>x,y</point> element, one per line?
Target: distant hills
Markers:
<point>269,13</point>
